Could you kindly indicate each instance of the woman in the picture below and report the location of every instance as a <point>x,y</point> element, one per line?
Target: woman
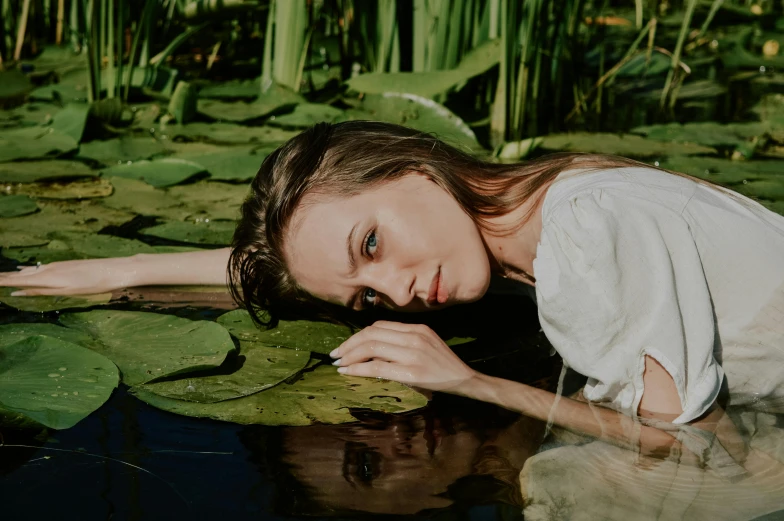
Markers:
<point>653,285</point>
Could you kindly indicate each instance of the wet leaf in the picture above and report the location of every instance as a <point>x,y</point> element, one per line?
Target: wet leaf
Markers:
<point>158,173</point>
<point>725,172</point>
<point>16,205</point>
<point>14,85</point>
<point>319,337</point>
<point>233,164</point>
<point>227,133</point>
<point>121,150</point>
<point>418,113</point>
<point>71,245</point>
<point>42,304</point>
<point>320,396</point>
<point>34,143</point>
<point>146,346</point>
<point>623,145</point>
<point>139,197</point>
<point>232,90</point>
<point>306,115</point>
<point>274,99</point>
<point>212,232</point>
<point>708,133</point>
<point>55,383</point>
<point>77,189</point>
<point>32,171</point>
<point>262,367</point>
<point>72,120</point>
<point>12,333</point>
<point>211,201</point>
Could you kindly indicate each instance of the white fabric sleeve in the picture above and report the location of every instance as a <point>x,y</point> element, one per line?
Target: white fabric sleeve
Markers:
<point>619,277</point>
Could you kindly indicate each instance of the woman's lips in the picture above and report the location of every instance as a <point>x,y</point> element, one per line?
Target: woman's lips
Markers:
<point>438,293</point>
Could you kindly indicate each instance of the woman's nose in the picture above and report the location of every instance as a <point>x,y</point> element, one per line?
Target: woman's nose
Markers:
<point>397,286</point>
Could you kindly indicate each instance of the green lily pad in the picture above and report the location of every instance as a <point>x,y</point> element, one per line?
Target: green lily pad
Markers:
<point>72,189</point>
<point>32,171</point>
<point>627,145</point>
<point>74,245</point>
<point>14,85</point>
<point>262,367</point>
<point>227,133</point>
<point>725,172</point>
<point>212,232</point>
<point>418,113</point>
<point>158,173</point>
<point>121,150</point>
<point>306,115</point>
<point>12,333</point>
<point>34,143</point>
<point>70,216</point>
<point>772,190</point>
<point>320,396</point>
<point>319,337</point>
<point>274,99</point>
<point>72,120</point>
<point>706,133</point>
<point>139,197</point>
<point>146,346</point>
<point>211,201</point>
<point>42,304</point>
<point>232,90</point>
<point>55,383</point>
<point>16,205</point>
<point>233,164</point>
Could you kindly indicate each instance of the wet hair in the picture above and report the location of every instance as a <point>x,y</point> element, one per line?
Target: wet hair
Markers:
<point>345,158</point>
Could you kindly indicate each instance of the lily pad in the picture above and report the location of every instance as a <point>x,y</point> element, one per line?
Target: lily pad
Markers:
<point>212,232</point>
<point>232,90</point>
<point>72,120</point>
<point>211,201</point>
<point>121,150</point>
<point>34,143</point>
<point>158,173</point>
<point>73,245</point>
<point>14,85</point>
<point>262,367</point>
<point>306,115</point>
<point>74,189</point>
<point>139,197</point>
<point>705,133</point>
<point>70,216</point>
<point>16,205</point>
<point>627,145</point>
<point>274,99</point>
<point>319,337</point>
<point>146,346</point>
<point>725,172</point>
<point>42,304</point>
<point>227,133</point>
<point>418,113</point>
<point>55,383</point>
<point>12,333</point>
<point>233,164</point>
<point>32,171</point>
<point>320,396</point>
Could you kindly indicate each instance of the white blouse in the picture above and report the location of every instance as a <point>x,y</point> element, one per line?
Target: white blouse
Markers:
<point>636,261</point>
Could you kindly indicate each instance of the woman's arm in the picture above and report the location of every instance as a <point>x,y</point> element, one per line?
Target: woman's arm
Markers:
<point>206,267</point>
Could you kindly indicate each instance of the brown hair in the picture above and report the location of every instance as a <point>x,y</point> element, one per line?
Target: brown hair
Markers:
<point>343,159</point>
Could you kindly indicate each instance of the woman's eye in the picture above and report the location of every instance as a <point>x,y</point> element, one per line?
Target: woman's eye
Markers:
<point>369,298</point>
<point>371,243</point>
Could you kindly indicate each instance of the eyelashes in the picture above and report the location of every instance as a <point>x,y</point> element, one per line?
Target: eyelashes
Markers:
<point>369,250</point>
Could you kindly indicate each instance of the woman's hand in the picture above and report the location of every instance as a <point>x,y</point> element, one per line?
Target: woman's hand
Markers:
<point>76,277</point>
<point>406,353</point>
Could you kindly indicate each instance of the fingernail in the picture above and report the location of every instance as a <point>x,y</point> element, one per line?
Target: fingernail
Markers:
<point>337,362</point>
<point>18,294</point>
<point>342,369</point>
<point>334,353</point>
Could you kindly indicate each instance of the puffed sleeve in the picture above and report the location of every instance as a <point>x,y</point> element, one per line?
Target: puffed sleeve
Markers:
<point>618,278</point>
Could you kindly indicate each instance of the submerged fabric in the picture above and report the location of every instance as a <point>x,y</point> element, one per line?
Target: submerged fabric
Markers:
<point>636,261</point>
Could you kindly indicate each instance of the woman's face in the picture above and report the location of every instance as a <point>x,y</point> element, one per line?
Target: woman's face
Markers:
<point>405,244</point>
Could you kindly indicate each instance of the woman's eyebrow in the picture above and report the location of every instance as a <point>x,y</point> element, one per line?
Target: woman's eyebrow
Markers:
<point>352,263</point>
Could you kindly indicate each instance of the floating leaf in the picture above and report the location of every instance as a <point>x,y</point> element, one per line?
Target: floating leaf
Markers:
<point>139,197</point>
<point>34,143</point>
<point>262,367</point>
<point>726,172</point>
<point>319,337</point>
<point>121,150</point>
<point>158,173</point>
<point>207,200</point>
<point>623,145</point>
<point>418,113</point>
<point>32,171</point>
<point>233,164</point>
<point>274,99</point>
<point>16,205</point>
<point>705,133</point>
<point>146,346</point>
<point>74,245</point>
<point>42,304</point>
<point>12,333</point>
<point>70,216</point>
<point>232,90</point>
<point>75,189</point>
<point>228,133</point>
<point>55,383</point>
<point>14,85</point>
<point>212,232</point>
<point>306,115</point>
<point>320,396</point>
<point>72,120</point>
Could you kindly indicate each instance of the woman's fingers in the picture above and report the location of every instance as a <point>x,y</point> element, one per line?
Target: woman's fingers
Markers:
<point>374,334</point>
<point>37,292</point>
<point>374,369</point>
<point>377,351</point>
